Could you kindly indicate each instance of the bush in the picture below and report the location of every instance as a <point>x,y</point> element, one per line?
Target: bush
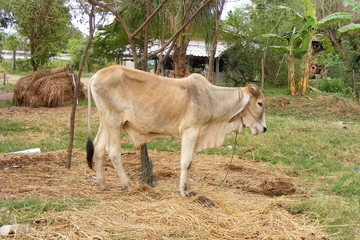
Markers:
<point>332,85</point>
<point>23,65</point>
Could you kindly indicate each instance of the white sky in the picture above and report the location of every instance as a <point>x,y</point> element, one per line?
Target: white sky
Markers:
<point>229,5</point>
<point>232,4</point>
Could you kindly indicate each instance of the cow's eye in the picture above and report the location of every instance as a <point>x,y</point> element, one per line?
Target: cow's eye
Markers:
<point>260,104</point>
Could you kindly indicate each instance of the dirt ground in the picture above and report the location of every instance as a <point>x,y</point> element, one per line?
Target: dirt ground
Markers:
<point>250,204</point>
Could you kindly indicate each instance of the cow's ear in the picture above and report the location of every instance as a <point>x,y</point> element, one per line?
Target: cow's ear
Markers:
<point>254,90</point>
<point>239,108</point>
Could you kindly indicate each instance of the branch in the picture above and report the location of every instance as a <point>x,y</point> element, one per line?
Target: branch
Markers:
<point>115,13</point>
<point>179,31</point>
<point>149,18</point>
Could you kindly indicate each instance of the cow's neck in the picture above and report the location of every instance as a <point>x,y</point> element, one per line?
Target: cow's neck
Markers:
<point>225,100</point>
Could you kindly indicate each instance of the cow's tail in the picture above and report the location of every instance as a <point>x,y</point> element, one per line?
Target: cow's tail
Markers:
<point>89,144</point>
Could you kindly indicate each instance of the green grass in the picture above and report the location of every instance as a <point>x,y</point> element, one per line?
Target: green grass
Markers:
<point>31,209</point>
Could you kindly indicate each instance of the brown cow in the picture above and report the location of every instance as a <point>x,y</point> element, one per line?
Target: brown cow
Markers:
<point>148,106</point>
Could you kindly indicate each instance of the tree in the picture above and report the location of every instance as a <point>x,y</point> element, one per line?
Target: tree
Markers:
<point>131,35</point>
<point>12,42</point>
<point>5,17</point>
<point>45,23</point>
<point>90,11</point>
<point>353,27</point>
<point>352,59</point>
<point>219,6</point>
<point>304,36</point>
<point>75,47</point>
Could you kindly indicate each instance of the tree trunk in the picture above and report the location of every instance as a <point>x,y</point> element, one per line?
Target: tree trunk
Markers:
<point>179,57</point>
<point>336,42</point>
<point>213,46</point>
<point>291,74</point>
<point>146,37</point>
<point>303,85</point>
<point>83,59</point>
<point>13,63</point>
<point>34,64</point>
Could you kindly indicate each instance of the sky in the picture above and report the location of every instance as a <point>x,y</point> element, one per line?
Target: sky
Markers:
<point>229,5</point>
<point>232,4</point>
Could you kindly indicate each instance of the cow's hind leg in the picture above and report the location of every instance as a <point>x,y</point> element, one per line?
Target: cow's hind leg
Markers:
<point>113,150</point>
<point>187,154</point>
<point>99,154</point>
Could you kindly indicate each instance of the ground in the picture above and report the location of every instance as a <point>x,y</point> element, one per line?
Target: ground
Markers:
<point>251,204</point>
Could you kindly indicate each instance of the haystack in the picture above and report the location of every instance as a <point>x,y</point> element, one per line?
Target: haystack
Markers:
<point>46,88</point>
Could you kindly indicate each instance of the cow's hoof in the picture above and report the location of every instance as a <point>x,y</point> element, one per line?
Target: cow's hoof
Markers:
<point>191,194</point>
<point>126,188</point>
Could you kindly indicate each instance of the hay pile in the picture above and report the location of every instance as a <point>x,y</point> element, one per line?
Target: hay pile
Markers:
<point>241,210</point>
<point>46,88</point>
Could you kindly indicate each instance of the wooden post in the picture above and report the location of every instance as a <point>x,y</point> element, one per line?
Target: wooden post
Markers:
<point>4,78</point>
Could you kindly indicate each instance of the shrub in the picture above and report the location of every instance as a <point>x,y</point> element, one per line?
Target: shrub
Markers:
<point>332,85</point>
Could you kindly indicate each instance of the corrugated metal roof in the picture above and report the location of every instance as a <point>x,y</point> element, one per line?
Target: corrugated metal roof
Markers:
<point>195,48</point>
<point>198,49</point>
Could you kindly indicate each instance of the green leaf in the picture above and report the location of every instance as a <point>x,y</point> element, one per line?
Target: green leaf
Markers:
<point>350,28</point>
<point>290,10</point>
<point>354,4</point>
<point>299,53</point>
<point>335,17</point>
<point>310,9</point>
<point>326,42</point>
<point>273,36</point>
<point>304,43</point>
<point>281,48</point>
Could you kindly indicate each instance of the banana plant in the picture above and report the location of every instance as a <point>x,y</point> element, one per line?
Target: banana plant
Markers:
<point>292,51</point>
<point>304,36</point>
<point>353,27</point>
<point>312,26</point>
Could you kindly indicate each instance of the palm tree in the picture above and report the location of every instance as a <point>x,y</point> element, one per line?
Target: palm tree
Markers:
<point>180,12</point>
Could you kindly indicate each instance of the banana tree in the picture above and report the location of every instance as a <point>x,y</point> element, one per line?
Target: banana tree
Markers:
<point>353,27</point>
<point>304,36</point>
<point>311,27</point>
<point>292,49</point>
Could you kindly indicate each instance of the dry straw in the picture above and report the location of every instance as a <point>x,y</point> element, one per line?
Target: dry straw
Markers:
<point>242,208</point>
<point>46,88</point>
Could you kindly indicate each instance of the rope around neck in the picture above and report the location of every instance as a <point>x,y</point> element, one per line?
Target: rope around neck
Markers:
<point>228,167</point>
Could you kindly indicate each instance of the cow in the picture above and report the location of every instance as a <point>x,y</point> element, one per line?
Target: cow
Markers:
<point>149,106</point>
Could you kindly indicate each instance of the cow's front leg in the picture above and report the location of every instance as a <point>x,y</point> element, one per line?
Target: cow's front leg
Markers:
<point>188,142</point>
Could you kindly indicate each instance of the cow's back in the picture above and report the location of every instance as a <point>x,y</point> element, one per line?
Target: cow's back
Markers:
<point>146,103</point>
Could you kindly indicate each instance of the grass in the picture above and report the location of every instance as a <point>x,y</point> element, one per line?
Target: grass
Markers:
<point>303,136</point>
<point>31,209</point>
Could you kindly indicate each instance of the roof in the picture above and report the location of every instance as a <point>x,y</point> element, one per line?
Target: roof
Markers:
<point>199,49</point>
<point>195,48</point>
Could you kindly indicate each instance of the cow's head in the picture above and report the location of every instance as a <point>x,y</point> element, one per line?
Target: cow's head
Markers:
<point>250,112</point>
